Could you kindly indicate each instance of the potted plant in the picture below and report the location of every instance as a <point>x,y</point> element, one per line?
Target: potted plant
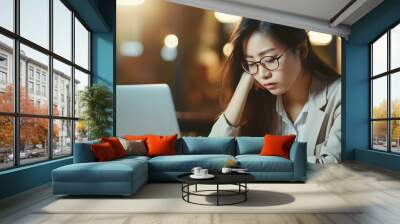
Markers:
<point>96,102</point>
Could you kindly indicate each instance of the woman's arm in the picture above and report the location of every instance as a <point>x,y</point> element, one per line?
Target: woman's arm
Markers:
<point>228,122</point>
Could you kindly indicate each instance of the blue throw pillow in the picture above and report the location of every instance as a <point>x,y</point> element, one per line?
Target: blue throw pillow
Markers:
<point>249,145</point>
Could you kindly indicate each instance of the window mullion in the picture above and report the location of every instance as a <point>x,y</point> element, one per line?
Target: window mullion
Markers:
<point>16,84</point>
<point>73,82</point>
<point>50,81</point>
<point>389,106</point>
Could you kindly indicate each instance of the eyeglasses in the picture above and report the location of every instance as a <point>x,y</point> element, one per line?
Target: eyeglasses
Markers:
<point>270,63</point>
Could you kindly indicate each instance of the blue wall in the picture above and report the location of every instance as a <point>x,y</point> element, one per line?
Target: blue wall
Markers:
<point>100,17</point>
<point>356,85</point>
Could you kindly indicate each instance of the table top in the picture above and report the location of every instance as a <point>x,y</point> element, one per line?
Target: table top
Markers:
<point>220,178</point>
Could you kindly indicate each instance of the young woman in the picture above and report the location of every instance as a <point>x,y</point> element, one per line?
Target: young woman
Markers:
<point>274,83</point>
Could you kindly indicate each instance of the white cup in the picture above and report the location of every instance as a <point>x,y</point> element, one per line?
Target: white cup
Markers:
<point>203,172</point>
<point>226,170</point>
<point>196,170</point>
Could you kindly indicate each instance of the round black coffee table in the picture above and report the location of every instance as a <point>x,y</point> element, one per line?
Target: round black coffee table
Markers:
<point>238,179</point>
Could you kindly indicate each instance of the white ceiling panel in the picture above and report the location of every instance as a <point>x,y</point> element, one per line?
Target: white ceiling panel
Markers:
<point>328,16</point>
<point>321,9</point>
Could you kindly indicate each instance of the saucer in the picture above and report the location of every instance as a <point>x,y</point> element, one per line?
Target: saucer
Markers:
<point>208,176</point>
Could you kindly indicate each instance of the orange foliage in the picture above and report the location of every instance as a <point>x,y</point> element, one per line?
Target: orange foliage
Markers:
<point>34,130</point>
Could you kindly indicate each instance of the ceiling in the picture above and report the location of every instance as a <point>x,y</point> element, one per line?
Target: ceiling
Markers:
<point>328,16</point>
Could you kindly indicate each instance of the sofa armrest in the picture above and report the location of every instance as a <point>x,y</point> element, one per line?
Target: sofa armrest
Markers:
<point>83,152</point>
<point>298,155</point>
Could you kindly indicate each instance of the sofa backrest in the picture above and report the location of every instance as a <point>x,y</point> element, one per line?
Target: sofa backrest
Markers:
<point>83,152</point>
<point>249,145</point>
<point>206,145</point>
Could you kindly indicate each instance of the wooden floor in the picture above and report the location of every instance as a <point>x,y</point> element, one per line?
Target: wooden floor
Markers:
<point>378,188</point>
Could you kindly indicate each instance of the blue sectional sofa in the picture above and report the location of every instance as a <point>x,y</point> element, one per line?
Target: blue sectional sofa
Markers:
<point>125,176</point>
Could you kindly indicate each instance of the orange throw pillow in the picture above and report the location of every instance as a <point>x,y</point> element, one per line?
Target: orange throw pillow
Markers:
<point>116,145</point>
<point>161,145</point>
<point>135,137</point>
<point>103,152</point>
<point>277,145</point>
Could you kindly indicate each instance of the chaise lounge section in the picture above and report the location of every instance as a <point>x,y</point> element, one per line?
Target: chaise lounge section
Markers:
<point>125,176</point>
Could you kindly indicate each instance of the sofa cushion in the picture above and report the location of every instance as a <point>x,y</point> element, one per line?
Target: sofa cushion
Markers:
<point>103,152</point>
<point>277,145</point>
<point>185,163</point>
<point>116,145</point>
<point>257,163</point>
<point>111,171</point>
<point>159,145</point>
<point>134,147</point>
<point>249,145</point>
<point>207,145</point>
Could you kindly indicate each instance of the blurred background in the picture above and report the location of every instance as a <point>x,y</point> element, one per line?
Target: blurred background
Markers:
<point>185,47</point>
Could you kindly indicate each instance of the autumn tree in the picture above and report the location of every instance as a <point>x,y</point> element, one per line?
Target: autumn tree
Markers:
<point>33,130</point>
<point>380,127</point>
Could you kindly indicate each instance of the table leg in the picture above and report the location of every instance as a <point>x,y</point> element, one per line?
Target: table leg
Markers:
<point>196,188</point>
<point>217,194</point>
<point>245,193</point>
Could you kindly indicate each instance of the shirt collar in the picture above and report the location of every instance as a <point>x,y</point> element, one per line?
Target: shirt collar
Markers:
<point>282,113</point>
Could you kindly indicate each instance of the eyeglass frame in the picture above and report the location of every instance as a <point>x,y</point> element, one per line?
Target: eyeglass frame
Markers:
<point>258,63</point>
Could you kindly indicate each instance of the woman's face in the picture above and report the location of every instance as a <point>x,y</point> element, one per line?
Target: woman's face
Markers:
<point>279,81</point>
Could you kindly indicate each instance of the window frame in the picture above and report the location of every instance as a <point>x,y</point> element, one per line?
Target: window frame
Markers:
<point>388,74</point>
<point>16,115</point>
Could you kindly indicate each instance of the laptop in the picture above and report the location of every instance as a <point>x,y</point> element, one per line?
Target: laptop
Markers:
<point>145,109</point>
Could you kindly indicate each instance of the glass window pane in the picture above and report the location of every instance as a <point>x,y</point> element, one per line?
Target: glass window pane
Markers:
<point>34,96</point>
<point>81,45</point>
<point>379,97</point>
<point>62,138</point>
<point>6,74</point>
<point>395,136</point>
<point>62,89</point>
<point>81,81</point>
<point>33,139</point>
<point>7,14</point>
<point>379,56</point>
<point>395,94</point>
<point>395,47</point>
<point>81,131</point>
<point>379,135</point>
<point>6,142</point>
<point>35,21</point>
<point>62,29</point>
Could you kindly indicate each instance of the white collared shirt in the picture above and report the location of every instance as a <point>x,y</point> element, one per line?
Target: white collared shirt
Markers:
<point>288,127</point>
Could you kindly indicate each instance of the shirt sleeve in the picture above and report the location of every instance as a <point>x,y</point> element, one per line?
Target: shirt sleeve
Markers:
<point>330,152</point>
<point>221,128</point>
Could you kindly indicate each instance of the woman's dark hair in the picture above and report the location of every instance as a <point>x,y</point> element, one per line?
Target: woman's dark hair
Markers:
<point>259,110</point>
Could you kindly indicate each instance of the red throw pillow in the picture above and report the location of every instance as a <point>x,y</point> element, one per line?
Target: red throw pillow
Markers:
<point>116,145</point>
<point>103,151</point>
<point>161,145</point>
<point>276,145</point>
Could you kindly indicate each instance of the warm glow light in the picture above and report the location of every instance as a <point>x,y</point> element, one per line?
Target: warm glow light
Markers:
<point>319,39</point>
<point>168,54</point>
<point>130,2</point>
<point>131,48</point>
<point>227,49</point>
<point>226,18</point>
<point>171,41</point>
